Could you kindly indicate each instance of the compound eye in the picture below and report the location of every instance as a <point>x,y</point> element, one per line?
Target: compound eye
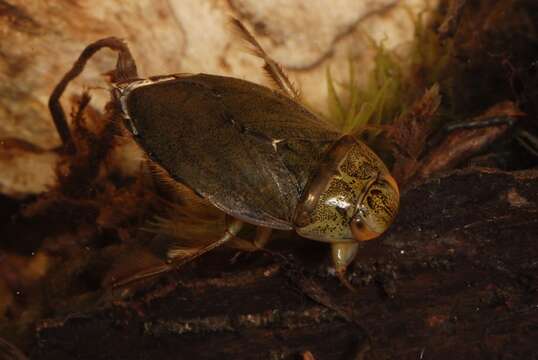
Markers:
<point>361,231</point>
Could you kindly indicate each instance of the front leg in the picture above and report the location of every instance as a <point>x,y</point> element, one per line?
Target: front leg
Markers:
<point>343,254</point>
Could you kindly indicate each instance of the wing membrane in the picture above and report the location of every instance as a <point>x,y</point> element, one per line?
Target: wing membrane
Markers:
<point>247,149</point>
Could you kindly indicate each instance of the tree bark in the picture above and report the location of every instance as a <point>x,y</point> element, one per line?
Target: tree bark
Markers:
<point>454,278</point>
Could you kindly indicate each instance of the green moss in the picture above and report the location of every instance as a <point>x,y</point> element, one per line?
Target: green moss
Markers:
<point>353,108</point>
<point>394,83</point>
<point>490,57</point>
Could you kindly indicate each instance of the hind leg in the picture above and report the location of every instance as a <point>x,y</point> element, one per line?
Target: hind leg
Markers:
<point>125,69</point>
<point>262,237</point>
<point>179,257</point>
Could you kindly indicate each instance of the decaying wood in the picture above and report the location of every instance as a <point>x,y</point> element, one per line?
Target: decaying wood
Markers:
<point>454,278</point>
<point>410,132</point>
<point>473,137</point>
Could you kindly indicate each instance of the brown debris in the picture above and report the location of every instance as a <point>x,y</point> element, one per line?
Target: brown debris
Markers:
<point>409,134</point>
<point>91,203</point>
<point>9,351</point>
<point>461,144</point>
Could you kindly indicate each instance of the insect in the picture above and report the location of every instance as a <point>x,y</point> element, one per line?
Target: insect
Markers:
<point>253,152</point>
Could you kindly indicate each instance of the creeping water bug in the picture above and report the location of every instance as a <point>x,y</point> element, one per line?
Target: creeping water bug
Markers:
<point>255,153</point>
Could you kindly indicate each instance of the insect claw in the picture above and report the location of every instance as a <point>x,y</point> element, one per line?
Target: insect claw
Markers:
<point>341,274</point>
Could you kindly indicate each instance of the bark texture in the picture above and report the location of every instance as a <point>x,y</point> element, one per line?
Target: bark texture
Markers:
<point>455,278</point>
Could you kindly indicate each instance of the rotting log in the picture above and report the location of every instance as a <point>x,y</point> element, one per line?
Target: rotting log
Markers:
<point>454,278</point>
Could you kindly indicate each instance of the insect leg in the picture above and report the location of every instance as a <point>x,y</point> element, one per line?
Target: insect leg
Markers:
<point>233,228</point>
<point>125,69</point>
<point>272,68</point>
<point>343,254</point>
<point>263,235</point>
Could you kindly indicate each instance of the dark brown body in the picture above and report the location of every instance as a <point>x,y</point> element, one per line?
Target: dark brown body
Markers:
<point>249,150</point>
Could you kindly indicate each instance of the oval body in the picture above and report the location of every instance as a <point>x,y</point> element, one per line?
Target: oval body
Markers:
<point>257,154</point>
<point>249,150</point>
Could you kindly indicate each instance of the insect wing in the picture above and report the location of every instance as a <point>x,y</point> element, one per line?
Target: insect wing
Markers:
<point>247,149</point>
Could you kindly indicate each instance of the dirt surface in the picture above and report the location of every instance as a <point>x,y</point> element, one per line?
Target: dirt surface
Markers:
<point>455,278</point>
